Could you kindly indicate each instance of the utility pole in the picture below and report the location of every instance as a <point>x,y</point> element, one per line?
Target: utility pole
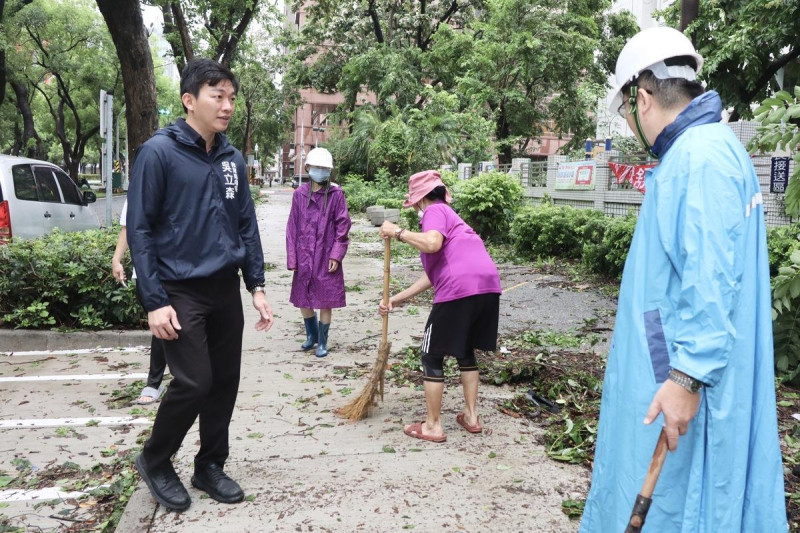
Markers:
<point>302,145</point>
<point>106,132</point>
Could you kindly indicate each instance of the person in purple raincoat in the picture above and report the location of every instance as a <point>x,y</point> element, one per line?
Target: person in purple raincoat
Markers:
<point>316,242</point>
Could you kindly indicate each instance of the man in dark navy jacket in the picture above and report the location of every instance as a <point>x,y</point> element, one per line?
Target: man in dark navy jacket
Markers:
<point>191,229</point>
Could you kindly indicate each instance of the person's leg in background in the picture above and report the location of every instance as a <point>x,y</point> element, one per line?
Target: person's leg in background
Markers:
<point>153,390</point>
<point>312,328</point>
<point>325,316</point>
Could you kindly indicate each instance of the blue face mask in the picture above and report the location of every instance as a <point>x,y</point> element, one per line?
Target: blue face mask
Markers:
<point>318,174</point>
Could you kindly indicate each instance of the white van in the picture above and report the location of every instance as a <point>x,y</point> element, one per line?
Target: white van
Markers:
<point>37,196</point>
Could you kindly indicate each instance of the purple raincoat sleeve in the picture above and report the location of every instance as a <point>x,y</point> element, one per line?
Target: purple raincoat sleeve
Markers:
<point>342,224</point>
<point>291,235</point>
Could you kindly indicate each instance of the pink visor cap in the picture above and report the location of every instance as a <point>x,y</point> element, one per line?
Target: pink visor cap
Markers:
<point>421,183</point>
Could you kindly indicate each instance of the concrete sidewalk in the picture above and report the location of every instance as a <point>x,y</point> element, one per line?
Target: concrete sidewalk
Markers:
<point>304,469</point>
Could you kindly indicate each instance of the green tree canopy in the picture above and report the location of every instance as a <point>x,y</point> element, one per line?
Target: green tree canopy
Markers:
<point>62,54</point>
<point>527,66</point>
<point>745,44</point>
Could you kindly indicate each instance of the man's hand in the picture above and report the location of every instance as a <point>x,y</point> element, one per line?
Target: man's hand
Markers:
<point>679,407</point>
<point>333,264</point>
<point>262,306</point>
<point>163,323</point>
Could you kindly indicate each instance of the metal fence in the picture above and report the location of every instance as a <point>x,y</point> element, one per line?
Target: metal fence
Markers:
<point>538,180</point>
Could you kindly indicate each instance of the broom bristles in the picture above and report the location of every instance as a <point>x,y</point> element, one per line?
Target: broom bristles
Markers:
<point>358,409</point>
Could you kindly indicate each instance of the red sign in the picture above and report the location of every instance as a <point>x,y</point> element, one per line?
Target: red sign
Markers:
<point>631,173</point>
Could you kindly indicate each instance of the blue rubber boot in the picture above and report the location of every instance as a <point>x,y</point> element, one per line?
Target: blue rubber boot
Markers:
<point>322,347</point>
<point>312,332</point>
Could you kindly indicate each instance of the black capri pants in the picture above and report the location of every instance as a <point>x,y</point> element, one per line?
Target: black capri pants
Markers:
<point>458,328</point>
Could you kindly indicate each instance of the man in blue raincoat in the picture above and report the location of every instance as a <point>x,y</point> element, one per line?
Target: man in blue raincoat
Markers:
<point>692,346</point>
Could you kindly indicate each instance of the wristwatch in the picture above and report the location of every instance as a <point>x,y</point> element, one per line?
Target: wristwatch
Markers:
<point>398,232</point>
<point>257,288</point>
<point>687,382</point>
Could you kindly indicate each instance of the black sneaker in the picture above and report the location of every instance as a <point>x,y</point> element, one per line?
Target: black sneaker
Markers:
<point>164,485</point>
<point>211,479</point>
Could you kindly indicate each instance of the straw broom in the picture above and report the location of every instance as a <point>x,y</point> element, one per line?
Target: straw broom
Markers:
<point>359,407</point>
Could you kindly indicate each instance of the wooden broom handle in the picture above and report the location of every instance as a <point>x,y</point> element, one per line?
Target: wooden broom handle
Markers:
<point>387,259</point>
<point>659,454</point>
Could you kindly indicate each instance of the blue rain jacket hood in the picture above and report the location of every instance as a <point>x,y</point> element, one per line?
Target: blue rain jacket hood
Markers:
<point>190,213</point>
<point>695,296</point>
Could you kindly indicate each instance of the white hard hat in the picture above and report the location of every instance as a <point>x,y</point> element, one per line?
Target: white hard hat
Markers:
<point>319,157</point>
<point>647,50</point>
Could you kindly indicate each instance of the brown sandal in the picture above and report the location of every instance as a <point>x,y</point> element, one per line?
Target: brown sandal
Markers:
<point>477,428</point>
<point>415,431</point>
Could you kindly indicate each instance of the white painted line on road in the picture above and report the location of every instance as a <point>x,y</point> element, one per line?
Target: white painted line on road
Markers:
<point>77,351</point>
<point>49,493</point>
<point>59,422</point>
<point>74,377</point>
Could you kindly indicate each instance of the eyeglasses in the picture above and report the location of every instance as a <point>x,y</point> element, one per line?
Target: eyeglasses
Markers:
<point>632,91</point>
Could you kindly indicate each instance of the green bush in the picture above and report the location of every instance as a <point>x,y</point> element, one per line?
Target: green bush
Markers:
<point>781,243</point>
<point>600,242</point>
<point>548,231</point>
<point>786,320</point>
<point>362,193</point>
<point>488,203</point>
<point>64,280</point>
<point>606,244</point>
<point>594,254</point>
<point>411,218</point>
<point>617,240</point>
<point>390,203</point>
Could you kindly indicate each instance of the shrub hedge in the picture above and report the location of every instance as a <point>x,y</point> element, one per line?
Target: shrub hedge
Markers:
<point>488,203</point>
<point>64,280</point>
<point>781,243</point>
<point>560,231</point>
<point>362,193</point>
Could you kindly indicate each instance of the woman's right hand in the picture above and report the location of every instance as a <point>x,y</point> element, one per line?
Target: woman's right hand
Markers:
<point>384,310</point>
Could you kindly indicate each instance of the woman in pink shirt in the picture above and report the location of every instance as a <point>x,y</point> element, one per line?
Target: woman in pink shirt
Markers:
<point>466,300</point>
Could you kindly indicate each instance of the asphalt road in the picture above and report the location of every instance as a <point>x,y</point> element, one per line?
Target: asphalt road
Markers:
<point>116,208</point>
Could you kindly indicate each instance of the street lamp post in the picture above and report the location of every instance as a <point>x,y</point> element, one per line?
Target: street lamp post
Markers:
<point>257,163</point>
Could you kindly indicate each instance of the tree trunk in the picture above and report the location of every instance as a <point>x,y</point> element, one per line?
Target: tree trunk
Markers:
<point>126,26</point>
<point>229,43</point>
<point>376,23</point>
<point>248,128</point>
<point>28,129</point>
<point>183,32</point>
<point>503,132</point>
<point>2,67</point>
<point>689,11</point>
<point>17,144</point>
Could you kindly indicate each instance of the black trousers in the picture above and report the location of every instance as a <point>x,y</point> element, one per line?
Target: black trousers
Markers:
<point>205,362</point>
<point>158,363</point>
